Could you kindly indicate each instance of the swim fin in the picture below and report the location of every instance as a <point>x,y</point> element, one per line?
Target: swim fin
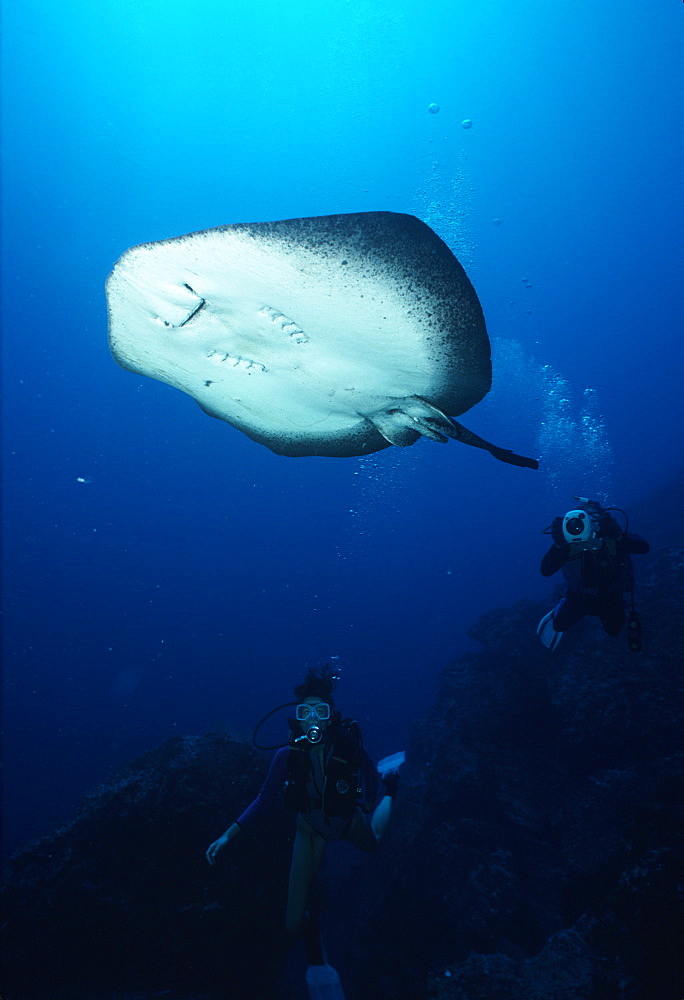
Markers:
<point>547,633</point>
<point>322,980</point>
<point>323,983</point>
<point>391,764</point>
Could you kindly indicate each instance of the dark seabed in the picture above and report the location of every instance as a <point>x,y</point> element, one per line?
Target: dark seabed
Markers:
<point>166,580</point>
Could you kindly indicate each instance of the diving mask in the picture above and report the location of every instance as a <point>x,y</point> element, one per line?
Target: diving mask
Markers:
<point>320,711</point>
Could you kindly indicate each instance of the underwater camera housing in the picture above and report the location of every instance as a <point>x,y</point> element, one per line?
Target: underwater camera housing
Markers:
<point>581,526</point>
<point>578,526</point>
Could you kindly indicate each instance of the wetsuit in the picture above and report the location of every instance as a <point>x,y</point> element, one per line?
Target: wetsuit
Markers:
<point>353,826</point>
<point>596,578</point>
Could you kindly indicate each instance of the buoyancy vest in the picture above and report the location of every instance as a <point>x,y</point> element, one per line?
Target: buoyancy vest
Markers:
<point>598,571</point>
<point>336,788</point>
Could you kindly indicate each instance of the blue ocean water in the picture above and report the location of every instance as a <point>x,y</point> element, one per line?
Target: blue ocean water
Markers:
<point>163,574</point>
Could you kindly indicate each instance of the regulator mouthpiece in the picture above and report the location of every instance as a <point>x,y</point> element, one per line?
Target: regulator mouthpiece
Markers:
<point>314,734</point>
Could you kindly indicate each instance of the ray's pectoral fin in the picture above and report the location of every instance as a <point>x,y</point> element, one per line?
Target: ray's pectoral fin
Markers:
<point>402,423</point>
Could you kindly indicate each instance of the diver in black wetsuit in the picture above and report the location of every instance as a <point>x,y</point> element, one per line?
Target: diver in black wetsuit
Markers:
<point>594,553</point>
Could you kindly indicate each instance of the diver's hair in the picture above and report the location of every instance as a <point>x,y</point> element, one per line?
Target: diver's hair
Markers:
<point>318,683</point>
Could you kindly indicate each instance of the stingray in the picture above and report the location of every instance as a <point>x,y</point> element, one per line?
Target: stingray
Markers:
<point>337,335</point>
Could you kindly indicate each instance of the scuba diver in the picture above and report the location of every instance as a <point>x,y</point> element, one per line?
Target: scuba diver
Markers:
<point>326,776</point>
<point>594,553</point>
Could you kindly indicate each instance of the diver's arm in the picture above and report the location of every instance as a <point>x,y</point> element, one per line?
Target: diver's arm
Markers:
<point>636,545</point>
<point>266,797</point>
<point>224,839</point>
<point>269,792</point>
<point>554,559</point>
<point>369,773</point>
<point>557,556</point>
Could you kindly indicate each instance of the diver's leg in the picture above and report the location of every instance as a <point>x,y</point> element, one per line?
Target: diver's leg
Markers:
<point>360,833</point>
<point>307,855</point>
<point>570,610</point>
<point>612,614</point>
<point>381,816</point>
<point>367,835</point>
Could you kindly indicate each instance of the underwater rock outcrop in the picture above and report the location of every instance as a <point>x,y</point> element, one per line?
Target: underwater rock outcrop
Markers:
<point>538,849</point>
<point>122,900</point>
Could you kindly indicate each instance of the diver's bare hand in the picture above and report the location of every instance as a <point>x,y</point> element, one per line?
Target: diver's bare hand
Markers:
<point>214,848</point>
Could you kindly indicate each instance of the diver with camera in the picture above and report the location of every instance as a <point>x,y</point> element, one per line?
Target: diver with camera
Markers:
<point>594,552</point>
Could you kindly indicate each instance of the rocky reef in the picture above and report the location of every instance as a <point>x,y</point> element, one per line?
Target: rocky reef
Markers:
<point>122,902</point>
<point>537,851</point>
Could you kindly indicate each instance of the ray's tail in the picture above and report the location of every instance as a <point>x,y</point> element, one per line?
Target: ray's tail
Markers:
<point>462,434</point>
